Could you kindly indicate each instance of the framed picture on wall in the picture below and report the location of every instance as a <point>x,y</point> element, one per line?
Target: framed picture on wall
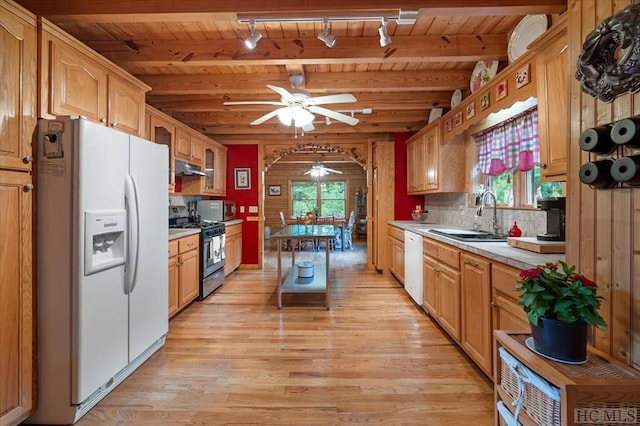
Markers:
<point>243,178</point>
<point>274,189</point>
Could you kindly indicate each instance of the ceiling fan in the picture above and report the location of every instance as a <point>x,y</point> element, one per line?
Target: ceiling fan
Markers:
<point>298,107</point>
<point>318,170</point>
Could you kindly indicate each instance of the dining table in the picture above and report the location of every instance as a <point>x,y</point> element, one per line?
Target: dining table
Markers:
<point>337,222</point>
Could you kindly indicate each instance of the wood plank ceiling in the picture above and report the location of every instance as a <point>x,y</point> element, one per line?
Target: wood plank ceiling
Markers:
<point>192,55</point>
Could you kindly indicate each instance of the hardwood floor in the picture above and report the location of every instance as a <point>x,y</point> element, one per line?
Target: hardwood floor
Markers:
<point>374,358</point>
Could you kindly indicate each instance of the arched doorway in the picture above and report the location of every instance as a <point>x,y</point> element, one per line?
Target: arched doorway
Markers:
<point>285,165</point>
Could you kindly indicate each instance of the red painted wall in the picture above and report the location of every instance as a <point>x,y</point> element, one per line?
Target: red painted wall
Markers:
<point>245,157</point>
<point>404,203</point>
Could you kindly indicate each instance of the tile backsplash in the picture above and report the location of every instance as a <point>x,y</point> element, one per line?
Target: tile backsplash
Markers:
<point>452,209</point>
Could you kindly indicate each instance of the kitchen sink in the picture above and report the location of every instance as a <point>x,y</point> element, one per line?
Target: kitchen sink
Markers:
<point>471,236</point>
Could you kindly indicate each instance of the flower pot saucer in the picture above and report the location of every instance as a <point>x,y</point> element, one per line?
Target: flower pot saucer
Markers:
<point>530,345</point>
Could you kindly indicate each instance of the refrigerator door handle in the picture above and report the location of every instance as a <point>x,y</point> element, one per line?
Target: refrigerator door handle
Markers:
<point>133,226</point>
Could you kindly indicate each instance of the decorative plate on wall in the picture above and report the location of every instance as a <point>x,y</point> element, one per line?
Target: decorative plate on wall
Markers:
<point>528,29</point>
<point>456,98</point>
<point>483,72</point>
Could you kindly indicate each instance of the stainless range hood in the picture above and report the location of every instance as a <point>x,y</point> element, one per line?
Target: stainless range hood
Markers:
<point>186,169</point>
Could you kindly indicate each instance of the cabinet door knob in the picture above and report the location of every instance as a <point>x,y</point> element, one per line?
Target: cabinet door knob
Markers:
<point>103,120</point>
<point>492,304</point>
<point>28,159</point>
<point>28,187</point>
<point>114,124</point>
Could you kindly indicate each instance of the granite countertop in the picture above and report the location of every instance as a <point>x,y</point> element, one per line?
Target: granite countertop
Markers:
<point>175,233</point>
<point>232,222</point>
<point>496,251</point>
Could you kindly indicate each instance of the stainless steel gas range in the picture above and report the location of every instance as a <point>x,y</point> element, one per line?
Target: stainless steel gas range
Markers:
<point>212,255</point>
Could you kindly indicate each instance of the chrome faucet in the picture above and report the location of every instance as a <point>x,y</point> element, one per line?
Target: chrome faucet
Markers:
<point>480,203</point>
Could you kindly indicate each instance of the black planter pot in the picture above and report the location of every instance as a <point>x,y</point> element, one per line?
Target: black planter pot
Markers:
<point>564,341</point>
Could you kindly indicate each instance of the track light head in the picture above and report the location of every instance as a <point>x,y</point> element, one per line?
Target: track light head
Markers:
<point>327,39</point>
<point>252,41</point>
<point>385,40</point>
<point>324,36</point>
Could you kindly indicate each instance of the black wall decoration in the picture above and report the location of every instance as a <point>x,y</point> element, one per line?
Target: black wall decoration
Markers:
<point>607,143</point>
<point>609,64</point>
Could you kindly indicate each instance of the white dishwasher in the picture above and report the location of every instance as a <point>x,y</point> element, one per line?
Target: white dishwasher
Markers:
<point>413,265</point>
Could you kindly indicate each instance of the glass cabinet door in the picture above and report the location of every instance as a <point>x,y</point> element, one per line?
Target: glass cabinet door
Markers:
<point>209,157</point>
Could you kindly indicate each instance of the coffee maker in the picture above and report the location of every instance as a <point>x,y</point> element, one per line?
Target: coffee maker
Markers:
<point>556,216</point>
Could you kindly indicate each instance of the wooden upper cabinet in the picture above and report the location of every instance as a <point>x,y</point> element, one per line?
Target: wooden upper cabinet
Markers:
<point>432,158</point>
<point>78,85</point>
<point>125,106</point>
<point>553,97</point>
<point>433,166</point>
<point>18,56</point>
<point>220,171</point>
<point>75,80</point>
<point>189,146</point>
<point>416,181</point>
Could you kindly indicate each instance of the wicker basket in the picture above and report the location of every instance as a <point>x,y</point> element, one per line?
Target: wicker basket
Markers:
<point>518,381</point>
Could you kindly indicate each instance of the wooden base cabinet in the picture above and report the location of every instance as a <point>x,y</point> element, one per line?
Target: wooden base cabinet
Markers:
<point>16,297</point>
<point>184,272</point>
<point>233,248</point>
<point>476,310</point>
<point>441,285</point>
<point>507,313</point>
<point>396,252</point>
<point>600,391</point>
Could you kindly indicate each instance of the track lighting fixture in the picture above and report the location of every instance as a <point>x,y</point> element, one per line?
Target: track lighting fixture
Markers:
<point>324,36</point>
<point>252,41</point>
<point>385,40</point>
<point>401,18</point>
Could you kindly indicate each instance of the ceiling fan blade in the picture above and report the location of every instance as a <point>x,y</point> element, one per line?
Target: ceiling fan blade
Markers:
<point>332,99</point>
<point>264,118</point>
<point>254,103</point>
<point>352,121</point>
<point>332,170</point>
<point>280,91</point>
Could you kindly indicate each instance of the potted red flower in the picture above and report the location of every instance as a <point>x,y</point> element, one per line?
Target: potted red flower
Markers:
<point>561,304</point>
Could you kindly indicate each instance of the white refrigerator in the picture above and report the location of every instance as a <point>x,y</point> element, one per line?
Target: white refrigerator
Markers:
<point>102,263</point>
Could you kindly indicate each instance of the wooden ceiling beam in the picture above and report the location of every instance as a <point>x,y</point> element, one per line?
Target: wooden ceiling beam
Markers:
<point>316,83</point>
<point>155,10</point>
<point>378,101</point>
<point>213,119</point>
<point>304,51</point>
<point>336,127</point>
<point>285,139</point>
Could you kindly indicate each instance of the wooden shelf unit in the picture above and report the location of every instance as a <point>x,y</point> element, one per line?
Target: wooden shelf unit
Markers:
<point>599,387</point>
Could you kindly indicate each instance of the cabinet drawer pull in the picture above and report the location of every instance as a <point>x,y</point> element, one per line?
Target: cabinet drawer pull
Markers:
<point>471,262</point>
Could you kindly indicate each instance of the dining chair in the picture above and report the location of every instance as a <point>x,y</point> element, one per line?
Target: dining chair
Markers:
<point>283,224</point>
<point>325,220</point>
<point>348,230</point>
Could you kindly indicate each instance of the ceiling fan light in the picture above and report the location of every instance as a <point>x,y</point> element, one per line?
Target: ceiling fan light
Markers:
<point>285,115</point>
<point>385,40</point>
<point>302,117</point>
